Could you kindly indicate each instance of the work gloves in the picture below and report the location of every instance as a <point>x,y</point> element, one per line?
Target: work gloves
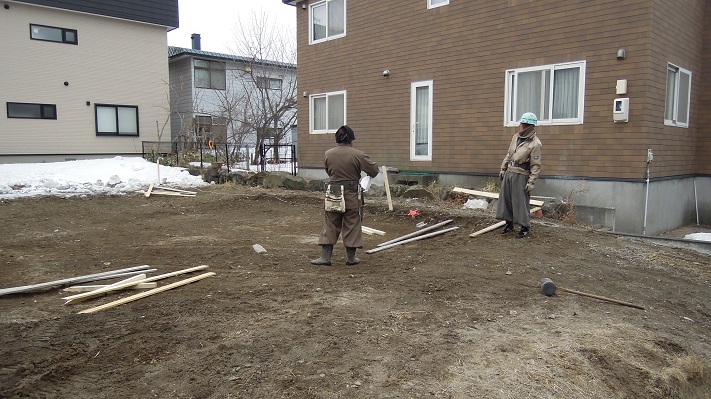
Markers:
<point>529,187</point>
<point>501,174</point>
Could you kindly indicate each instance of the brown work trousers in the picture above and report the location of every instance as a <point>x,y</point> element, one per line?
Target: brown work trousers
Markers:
<point>348,223</point>
<point>514,201</point>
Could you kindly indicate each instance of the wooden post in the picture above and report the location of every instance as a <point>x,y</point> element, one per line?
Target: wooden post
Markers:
<point>387,187</point>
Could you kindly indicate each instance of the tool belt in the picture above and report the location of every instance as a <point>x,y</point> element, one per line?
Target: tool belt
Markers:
<point>525,166</point>
<point>348,185</point>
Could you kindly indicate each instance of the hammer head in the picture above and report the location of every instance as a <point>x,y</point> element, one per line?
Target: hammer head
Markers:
<point>548,286</point>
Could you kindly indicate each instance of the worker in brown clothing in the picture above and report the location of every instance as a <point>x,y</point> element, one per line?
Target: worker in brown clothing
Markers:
<point>344,165</point>
<point>519,172</point>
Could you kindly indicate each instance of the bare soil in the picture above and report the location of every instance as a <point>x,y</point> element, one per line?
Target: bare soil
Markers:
<point>444,317</point>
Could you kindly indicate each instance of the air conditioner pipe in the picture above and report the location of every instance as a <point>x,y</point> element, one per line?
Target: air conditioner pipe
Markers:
<point>646,202</point>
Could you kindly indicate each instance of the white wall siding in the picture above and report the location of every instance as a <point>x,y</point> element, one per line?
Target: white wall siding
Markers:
<point>115,62</point>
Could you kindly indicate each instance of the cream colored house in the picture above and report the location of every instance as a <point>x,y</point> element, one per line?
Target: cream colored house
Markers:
<point>83,79</point>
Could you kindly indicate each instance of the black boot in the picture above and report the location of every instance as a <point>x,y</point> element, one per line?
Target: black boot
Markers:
<point>523,232</point>
<point>509,227</point>
<point>325,259</point>
<point>350,256</point>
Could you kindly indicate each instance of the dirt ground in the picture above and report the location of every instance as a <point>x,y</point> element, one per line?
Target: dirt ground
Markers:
<point>444,317</point>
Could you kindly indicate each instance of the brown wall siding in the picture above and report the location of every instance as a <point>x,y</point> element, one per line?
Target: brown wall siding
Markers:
<point>677,37</point>
<point>703,149</point>
<point>465,48</point>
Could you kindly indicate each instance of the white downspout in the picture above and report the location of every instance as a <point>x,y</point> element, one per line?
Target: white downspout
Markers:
<point>646,197</point>
<point>696,200</point>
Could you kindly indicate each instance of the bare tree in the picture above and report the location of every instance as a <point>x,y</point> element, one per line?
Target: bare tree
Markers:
<point>267,103</point>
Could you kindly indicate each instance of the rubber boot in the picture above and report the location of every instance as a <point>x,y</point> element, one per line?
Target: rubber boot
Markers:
<point>325,259</point>
<point>508,227</point>
<point>350,256</point>
<point>523,232</point>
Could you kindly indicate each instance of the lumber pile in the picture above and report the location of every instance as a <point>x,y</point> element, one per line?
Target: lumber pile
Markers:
<point>137,280</point>
<point>159,190</point>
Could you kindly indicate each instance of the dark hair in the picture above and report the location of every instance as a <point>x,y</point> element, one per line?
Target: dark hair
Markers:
<point>344,134</point>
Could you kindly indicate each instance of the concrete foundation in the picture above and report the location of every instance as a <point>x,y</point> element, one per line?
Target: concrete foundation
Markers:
<point>619,206</point>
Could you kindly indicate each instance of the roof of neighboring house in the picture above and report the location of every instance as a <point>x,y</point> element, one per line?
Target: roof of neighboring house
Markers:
<point>158,12</point>
<point>290,2</point>
<point>177,52</point>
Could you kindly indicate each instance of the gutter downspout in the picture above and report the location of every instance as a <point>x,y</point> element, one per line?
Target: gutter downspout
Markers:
<point>696,200</point>
<point>646,197</point>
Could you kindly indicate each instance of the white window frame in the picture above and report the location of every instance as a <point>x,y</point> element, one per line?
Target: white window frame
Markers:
<point>674,121</point>
<point>325,3</point>
<point>413,120</point>
<point>312,115</point>
<point>431,4</point>
<point>511,115</point>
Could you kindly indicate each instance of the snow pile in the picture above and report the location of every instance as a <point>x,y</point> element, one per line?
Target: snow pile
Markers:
<point>118,175</point>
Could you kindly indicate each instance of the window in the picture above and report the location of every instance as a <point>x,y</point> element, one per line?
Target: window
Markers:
<point>116,120</point>
<point>31,111</point>
<point>211,127</point>
<point>210,74</point>
<point>268,83</point>
<point>676,112</point>
<point>328,112</point>
<point>555,93</point>
<point>421,121</point>
<point>436,3</point>
<point>327,20</point>
<point>52,34</point>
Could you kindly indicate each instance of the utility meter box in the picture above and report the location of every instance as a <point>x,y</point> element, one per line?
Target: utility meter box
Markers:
<point>621,110</point>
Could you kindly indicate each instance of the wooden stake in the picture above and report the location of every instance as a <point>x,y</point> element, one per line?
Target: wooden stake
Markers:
<point>87,295</point>
<point>74,280</point>
<point>147,293</point>
<point>436,233</point>
<point>488,195</point>
<point>387,187</point>
<point>497,225</point>
<point>416,233</point>
<point>148,193</point>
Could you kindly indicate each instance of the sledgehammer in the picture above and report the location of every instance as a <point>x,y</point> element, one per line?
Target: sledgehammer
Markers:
<point>549,288</point>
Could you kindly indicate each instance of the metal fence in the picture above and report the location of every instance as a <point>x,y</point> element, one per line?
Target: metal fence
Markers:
<point>272,157</point>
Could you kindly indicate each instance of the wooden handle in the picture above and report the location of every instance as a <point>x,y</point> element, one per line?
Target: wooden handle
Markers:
<point>601,298</point>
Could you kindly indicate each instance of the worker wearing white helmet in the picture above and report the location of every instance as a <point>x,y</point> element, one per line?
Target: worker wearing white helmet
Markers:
<point>519,172</point>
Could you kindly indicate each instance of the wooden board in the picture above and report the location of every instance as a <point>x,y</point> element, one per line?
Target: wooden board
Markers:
<point>87,288</point>
<point>497,225</point>
<point>87,295</point>
<point>371,231</point>
<point>147,293</point>
<point>74,280</point>
<point>488,195</point>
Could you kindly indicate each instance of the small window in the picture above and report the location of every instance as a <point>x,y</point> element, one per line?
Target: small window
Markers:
<point>31,111</point>
<point>53,34</point>
<point>210,74</point>
<point>676,112</point>
<point>436,3</point>
<point>268,83</point>
<point>327,20</point>
<point>116,120</point>
<point>327,112</point>
<point>555,93</point>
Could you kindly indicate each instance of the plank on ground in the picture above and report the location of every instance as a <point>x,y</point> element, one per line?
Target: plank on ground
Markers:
<point>74,280</point>
<point>147,293</point>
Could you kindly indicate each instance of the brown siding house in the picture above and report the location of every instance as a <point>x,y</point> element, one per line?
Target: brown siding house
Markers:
<point>461,72</point>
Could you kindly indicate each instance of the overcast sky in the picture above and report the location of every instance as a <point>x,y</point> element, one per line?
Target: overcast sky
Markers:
<point>215,21</point>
